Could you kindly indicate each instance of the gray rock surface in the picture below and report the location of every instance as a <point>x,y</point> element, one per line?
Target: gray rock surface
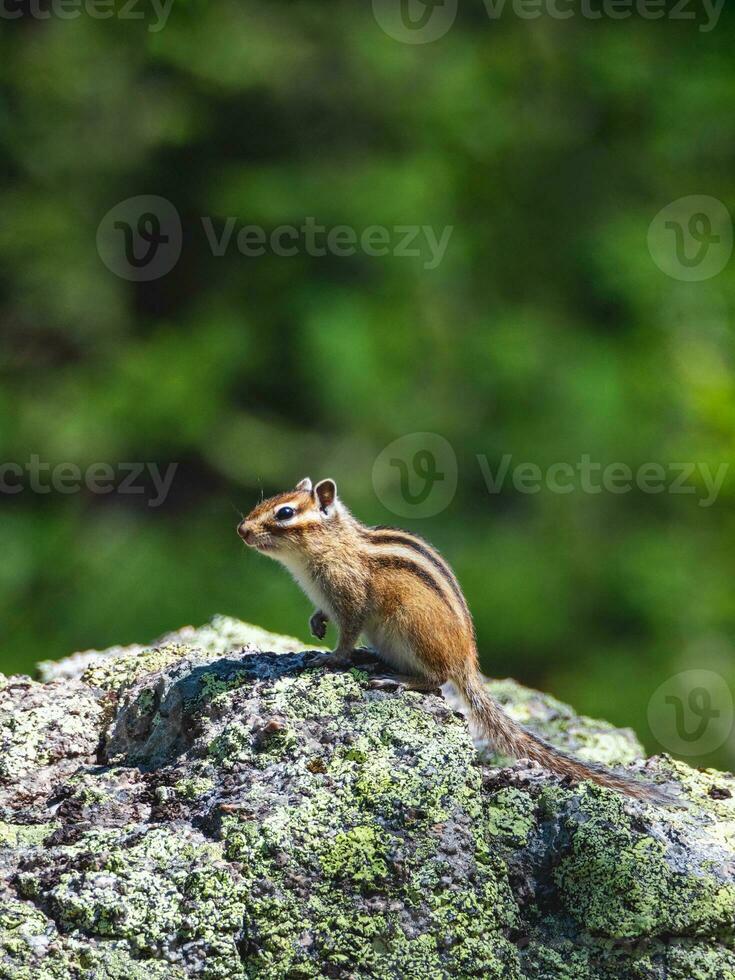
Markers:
<point>212,806</point>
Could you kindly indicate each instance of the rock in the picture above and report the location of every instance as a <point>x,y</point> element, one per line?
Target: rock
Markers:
<point>212,807</point>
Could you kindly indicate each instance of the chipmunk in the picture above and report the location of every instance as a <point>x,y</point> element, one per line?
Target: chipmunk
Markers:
<point>397,590</point>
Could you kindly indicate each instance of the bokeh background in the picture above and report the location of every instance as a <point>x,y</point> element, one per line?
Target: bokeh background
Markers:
<point>546,332</point>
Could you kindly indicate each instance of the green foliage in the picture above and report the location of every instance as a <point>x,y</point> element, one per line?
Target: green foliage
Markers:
<point>546,332</point>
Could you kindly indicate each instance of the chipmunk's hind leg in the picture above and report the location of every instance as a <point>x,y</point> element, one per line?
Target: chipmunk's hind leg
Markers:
<point>405,682</point>
<point>401,667</point>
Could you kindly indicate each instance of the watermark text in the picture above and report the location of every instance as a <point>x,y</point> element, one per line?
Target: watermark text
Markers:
<point>590,477</point>
<point>37,476</point>
<point>155,12</point>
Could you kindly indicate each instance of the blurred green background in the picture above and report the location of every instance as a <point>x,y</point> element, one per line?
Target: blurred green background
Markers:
<point>546,332</point>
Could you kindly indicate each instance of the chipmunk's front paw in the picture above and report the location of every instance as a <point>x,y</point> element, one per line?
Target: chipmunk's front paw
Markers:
<point>336,659</point>
<point>318,624</point>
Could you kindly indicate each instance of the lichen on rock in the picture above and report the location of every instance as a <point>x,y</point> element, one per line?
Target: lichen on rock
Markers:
<point>213,806</point>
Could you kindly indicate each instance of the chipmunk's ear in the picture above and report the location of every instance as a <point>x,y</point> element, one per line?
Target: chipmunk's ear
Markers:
<point>326,493</point>
<point>304,485</point>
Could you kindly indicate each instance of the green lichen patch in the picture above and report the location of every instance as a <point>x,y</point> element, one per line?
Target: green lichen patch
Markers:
<point>358,855</point>
<point>315,694</point>
<point>687,960</point>
<point>25,932</point>
<point>32,948</point>
<point>212,685</point>
<point>14,835</point>
<point>194,787</point>
<point>232,745</point>
<point>441,773</point>
<point>116,673</point>
<point>623,883</point>
<point>87,789</point>
<point>41,727</point>
<point>585,959</point>
<point>510,817</point>
<point>157,890</point>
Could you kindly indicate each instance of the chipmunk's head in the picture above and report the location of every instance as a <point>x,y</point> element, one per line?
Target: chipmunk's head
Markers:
<point>283,524</point>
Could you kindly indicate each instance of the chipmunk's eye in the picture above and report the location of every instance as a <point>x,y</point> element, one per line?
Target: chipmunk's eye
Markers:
<point>284,513</point>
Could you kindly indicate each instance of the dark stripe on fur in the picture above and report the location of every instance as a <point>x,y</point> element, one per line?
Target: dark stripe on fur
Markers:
<point>292,530</point>
<point>406,565</point>
<point>391,535</point>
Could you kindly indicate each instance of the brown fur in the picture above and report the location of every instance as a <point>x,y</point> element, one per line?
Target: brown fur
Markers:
<point>393,585</point>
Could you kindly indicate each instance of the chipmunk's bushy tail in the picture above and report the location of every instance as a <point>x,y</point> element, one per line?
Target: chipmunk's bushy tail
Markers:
<point>510,738</point>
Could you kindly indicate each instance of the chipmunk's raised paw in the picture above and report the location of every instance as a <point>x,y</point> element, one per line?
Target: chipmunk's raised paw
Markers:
<point>318,624</point>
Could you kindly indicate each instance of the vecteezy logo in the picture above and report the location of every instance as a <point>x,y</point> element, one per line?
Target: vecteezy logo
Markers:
<point>140,238</point>
<point>425,468</point>
<point>149,231</point>
<point>692,713</point>
<point>691,239</point>
<point>412,23</point>
<point>415,21</point>
<point>416,475</point>
<point>699,228</point>
<point>700,707</point>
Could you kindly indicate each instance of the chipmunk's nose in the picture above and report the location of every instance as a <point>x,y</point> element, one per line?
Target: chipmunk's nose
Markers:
<point>246,532</point>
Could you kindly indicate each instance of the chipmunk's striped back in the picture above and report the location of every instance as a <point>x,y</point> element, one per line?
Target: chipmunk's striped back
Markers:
<point>391,547</point>
<point>425,555</point>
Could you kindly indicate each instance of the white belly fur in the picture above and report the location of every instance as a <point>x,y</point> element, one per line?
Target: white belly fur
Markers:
<point>395,649</point>
<point>307,584</point>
